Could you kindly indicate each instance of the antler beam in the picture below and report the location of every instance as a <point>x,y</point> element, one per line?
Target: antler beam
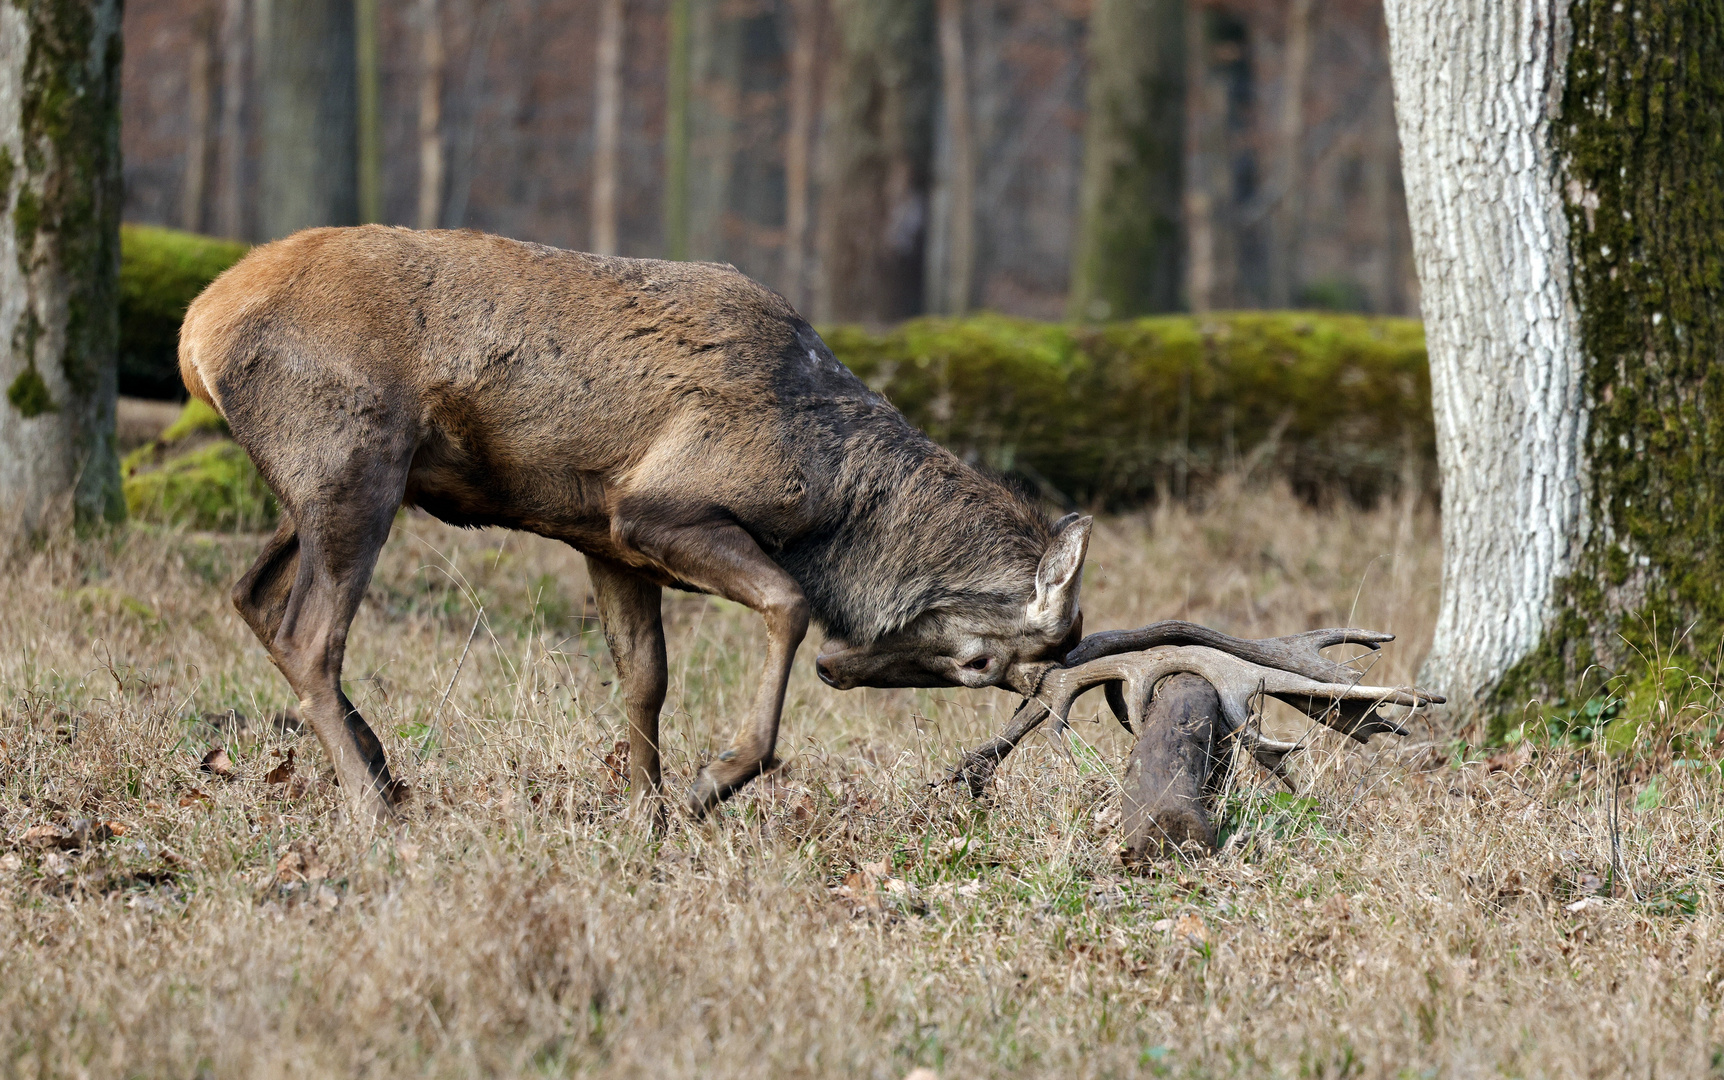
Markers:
<point>1129,663</point>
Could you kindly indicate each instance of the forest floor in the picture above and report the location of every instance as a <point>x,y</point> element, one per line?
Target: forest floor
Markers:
<point>1409,912</point>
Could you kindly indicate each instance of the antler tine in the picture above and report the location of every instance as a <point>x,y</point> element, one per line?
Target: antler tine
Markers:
<point>1291,669</point>
<point>1298,653</point>
<point>1346,706</point>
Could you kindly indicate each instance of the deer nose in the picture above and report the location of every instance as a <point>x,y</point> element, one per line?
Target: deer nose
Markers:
<point>825,672</point>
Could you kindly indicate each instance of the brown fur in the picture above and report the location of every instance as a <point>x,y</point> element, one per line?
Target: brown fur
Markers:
<point>676,422</point>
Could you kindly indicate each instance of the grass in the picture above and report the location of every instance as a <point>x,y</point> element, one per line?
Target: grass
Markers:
<point>1408,912</point>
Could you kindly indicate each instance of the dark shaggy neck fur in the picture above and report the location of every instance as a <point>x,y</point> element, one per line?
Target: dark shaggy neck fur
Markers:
<point>911,528</point>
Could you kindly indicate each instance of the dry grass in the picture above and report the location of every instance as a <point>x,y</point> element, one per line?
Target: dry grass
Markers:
<point>1405,916</point>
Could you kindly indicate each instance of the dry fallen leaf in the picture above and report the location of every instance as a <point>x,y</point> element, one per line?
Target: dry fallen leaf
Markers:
<point>46,836</point>
<point>283,772</point>
<point>617,762</point>
<point>217,762</point>
<point>194,797</point>
<point>11,861</point>
<point>1190,927</point>
<point>300,863</point>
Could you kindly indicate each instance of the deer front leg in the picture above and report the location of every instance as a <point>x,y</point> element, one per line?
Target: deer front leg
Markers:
<point>629,611</point>
<point>722,559</point>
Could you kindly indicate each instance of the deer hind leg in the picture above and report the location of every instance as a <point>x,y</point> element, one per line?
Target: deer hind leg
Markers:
<point>302,593</point>
<point>721,558</point>
<point>634,630</point>
<point>261,595</point>
<point>310,643</point>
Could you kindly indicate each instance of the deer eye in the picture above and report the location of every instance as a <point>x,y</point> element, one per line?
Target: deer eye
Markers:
<point>980,663</point>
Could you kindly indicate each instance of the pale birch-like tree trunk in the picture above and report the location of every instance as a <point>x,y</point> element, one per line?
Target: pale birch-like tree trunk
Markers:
<point>432,155</point>
<point>59,263</point>
<point>1565,184</point>
<point>607,125</point>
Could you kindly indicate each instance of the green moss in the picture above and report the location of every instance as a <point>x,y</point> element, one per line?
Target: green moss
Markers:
<point>212,487</point>
<point>196,418</point>
<point>29,394</point>
<point>161,273</point>
<point>1131,411</point>
<point>1642,136</point>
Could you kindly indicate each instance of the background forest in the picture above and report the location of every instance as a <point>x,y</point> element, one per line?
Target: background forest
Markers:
<point>870,160</point>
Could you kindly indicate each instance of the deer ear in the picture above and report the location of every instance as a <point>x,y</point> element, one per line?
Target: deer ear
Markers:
<point>1058,577</point>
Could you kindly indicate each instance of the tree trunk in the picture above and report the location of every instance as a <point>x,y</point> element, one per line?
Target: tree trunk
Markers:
<point>1567,203</point>
<point>952,243</point>
<point>1290,206</point>
<point>59,263</point>
<point>367,62</point>
<point>1127,257</point>
<point>878,160</point>
<point>199,92</point>
<point>676,128</point>
<point>432,157</point>
<point>310,168</point>
<point>607,125</point>
<point>799,148</point>
<point>231,194</point>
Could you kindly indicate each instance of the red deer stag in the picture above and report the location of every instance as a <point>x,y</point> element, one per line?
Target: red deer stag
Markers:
<point>677,423</point>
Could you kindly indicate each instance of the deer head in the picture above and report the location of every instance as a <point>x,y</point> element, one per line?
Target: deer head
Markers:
<point>980,640</point>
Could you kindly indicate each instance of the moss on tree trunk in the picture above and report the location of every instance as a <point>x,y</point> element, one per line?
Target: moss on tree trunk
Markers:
<point>60,185</point>
<point>1641,140</point>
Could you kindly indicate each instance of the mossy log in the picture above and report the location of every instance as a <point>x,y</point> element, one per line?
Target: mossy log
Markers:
<point>161,273</point>
<point>195,477</point>
<point>1124,413</point>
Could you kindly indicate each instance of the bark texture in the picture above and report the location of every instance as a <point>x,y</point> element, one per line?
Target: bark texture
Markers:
<point>1127,257</point>
<point>59,261</point>
<point>879,159</point>
<point>1173,772</point>
<point>310,171</point>
<point>1477,86</point>
<point>1565,168</point>
<point>1641,142</point>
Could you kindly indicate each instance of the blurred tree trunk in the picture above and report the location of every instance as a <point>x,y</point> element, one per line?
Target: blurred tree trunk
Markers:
<point>59,263</point>
<point>432,156</point>
<point>1128,247</point>
<point>310,168</point>
<point>607,123</point>
<point>878,159</point>
<point>1567,204</point>
<point>231,159</point>
<point>952,235</point>
<point>1290,205</point>
<point>799,148</point>
<point>367,62</point>
<point>199,92</point>
<point>676,128</point>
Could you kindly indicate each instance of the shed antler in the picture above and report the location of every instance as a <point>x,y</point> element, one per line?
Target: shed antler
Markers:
<point>1129,663</point>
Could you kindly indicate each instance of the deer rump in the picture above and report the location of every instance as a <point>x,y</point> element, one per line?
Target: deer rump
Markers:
<point>677,423</point>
